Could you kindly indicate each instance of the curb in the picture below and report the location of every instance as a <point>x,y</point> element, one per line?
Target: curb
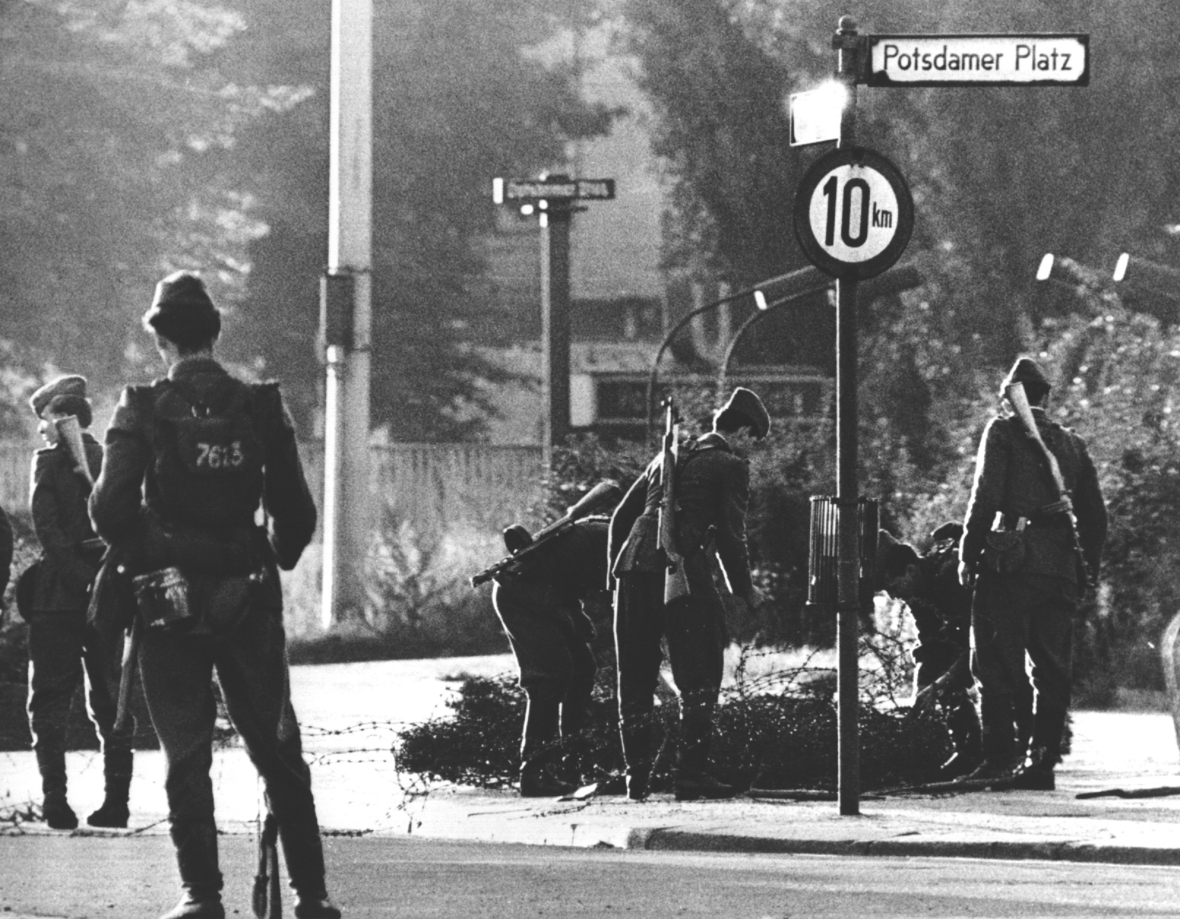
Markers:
<point>656,839</point>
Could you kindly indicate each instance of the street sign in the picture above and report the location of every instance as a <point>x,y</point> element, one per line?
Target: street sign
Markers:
<point>1046,59</point>
<point>815,115</point>
<point>853,213</point>
<point>552,189</point>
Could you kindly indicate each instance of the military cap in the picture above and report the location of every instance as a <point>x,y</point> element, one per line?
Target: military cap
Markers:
<point>1028,372</point>
<point>746,406</point>
<point>63,395</point>
<point>182,301</point>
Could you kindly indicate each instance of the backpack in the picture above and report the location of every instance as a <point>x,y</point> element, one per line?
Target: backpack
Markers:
<point>208,457</point>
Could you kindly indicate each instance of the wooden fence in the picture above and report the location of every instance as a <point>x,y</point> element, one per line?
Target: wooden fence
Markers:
<point>443,502</point>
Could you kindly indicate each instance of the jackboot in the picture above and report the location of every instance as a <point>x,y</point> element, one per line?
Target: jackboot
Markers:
<point>197,906</point>
<point>315,908</point>
<point>539,778</point>
<point>117,768</point>
<point>57,812</point>
<point>998,743</point>
<point>1036,773</point>
<point>55,809</point>
<point>196,859</point>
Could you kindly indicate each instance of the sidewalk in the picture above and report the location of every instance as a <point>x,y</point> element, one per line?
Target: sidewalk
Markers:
<point>358,794</point>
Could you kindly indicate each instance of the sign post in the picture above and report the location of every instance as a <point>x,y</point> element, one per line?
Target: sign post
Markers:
<point>552,200</point>
<point>853,218</point>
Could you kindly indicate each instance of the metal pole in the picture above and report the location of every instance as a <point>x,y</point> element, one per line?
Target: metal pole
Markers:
<point>555,324</point>
<point>848,550</point>
<point>346,409</point>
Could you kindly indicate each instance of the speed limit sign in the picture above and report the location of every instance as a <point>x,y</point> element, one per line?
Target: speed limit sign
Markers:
<point>853,213</point>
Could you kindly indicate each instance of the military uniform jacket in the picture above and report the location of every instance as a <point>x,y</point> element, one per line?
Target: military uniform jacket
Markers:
<point>574,561</point>
<point>57,500</point>
<point>1011,477</point>
<point>126,494</point>
<point>712,494</point>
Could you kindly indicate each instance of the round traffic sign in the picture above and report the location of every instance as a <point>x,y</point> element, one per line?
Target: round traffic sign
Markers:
<point>853,213</point>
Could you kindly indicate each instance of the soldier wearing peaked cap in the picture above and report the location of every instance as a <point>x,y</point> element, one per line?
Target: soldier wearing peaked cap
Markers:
<point>712,489</point>
<point>189,461</point>
<point>1019,551</point>
<point>63,647</point>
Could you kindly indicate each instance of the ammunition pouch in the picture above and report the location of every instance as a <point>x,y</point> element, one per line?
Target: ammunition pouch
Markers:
<point>1004,551</point>
<point>162,600</point>
<point>169,601</point>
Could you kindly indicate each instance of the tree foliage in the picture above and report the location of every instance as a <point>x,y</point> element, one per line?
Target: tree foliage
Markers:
<point>115,132</point>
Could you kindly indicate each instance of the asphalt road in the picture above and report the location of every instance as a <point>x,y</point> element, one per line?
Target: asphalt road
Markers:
<point>81,877</point>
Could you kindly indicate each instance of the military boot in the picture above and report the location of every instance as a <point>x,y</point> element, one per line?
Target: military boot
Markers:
<point>117,767</point>
<point>196,858</point>
<point>57,812</point>
<point>195,905</point>
<point>999,742</point>
<point>1036,773</point>
<point>316,907</point>
<point>540,779</point>
<point>55,809</point>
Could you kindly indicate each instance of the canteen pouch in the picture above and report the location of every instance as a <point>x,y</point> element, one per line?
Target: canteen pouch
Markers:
<point>162,599</point>
<point>1004,551</point>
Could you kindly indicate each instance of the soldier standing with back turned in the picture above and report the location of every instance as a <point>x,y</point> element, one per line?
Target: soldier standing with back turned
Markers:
<point>1026,598</point>
<point>712,484</point>
<point>190,459</point>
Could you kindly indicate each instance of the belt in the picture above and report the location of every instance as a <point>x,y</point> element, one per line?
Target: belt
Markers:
<point>1050,522</point>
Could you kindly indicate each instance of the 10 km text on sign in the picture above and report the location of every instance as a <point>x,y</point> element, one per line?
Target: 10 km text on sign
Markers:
<point>853,213</point>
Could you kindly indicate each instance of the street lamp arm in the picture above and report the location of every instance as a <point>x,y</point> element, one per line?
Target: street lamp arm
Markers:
<point>809,276</point>
<point>751,320</point>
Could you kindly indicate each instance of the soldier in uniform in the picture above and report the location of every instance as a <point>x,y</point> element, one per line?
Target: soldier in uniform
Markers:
<point>1026,598</point>
<point>189,459</point>
<point>712,485</point>
<point>63,647</point>
<point>550,634</point>
<point>929,585</point>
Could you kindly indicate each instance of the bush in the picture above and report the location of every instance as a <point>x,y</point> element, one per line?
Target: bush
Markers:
<point>774,728</point>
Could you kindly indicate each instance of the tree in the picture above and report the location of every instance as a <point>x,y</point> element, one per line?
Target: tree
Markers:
<point>459,98</point>
<point>115,127</point>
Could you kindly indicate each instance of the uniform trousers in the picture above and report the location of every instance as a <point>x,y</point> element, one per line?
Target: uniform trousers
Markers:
<point>695,630</point>
<point>1012,614</point>
<point>550,639</point>
<point>64,651</point>
<point>251,667</point>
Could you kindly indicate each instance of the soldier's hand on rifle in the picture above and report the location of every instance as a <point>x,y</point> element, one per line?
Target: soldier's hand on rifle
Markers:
<point>966,575</point>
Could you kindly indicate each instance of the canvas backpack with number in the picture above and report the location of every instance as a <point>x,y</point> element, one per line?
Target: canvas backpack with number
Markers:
<point>209,458</point>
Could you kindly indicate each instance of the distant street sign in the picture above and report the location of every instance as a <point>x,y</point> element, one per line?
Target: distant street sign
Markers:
<point>551,189</point>
<point>815,115</point>
<point>978,60</point>
<point>853,213</point>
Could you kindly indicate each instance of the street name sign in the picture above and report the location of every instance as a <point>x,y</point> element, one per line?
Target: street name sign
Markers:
<point>853,213</point>
<point>1045,59</point>
<point>551,189</point>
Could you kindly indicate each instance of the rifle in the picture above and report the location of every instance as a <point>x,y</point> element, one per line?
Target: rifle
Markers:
<point>606,492</point>
<point>131,640</point>
<point>675,579</point>
<point>1018,399</point>
<point>70,431</point>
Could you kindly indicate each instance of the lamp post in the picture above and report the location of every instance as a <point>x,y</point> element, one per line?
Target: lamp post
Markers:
<point>1159,281</point>
<point>796,283</point>
<point>891,282</point>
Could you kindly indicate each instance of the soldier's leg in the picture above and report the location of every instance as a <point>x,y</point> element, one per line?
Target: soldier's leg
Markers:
<point>176,672</point>
<point>639,624</point>
<point>997,662</point>
<point>55,671</point>
<point>696,648</point>
<point>533,621</point>
<point>254,678</point>
<point>101,661</point>
<point>1050,649</point>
